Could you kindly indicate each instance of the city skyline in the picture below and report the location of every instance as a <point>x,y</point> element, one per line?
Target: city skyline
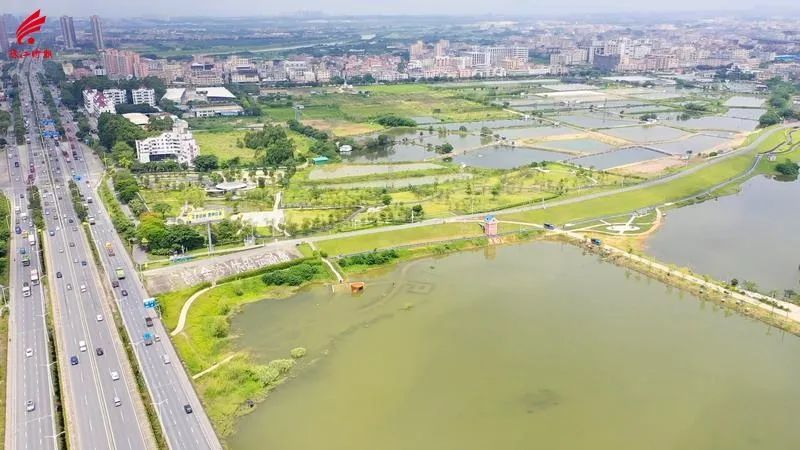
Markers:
<point>501,8</point>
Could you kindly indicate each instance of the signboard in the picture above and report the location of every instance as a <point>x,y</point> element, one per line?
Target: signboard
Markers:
<point>194,216</point>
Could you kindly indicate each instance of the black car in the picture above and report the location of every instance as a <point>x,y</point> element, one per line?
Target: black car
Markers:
<point>99,351</point>
<point>83,263</point>
<point>115,283</point>
<point>188,408</point>
<point>58,274</point>
<point>124,293</point>
<point>73,360</point>
<point>71,221</point>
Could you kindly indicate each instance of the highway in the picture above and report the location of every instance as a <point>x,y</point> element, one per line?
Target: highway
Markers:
<point>28,366</point>
<point>167,381</point>
<point>103,406</point>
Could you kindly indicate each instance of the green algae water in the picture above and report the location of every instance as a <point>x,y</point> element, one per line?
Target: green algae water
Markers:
<point>533,346</point>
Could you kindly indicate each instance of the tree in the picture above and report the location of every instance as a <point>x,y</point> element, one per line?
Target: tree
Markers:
<point>125,185</point>
<point>390,120</point>
<point>160,123</point>
<point>112,128</point>
<point>386,199</point>
<point>162,209</point>
<point>123,154</point>
<point>788,168</point>
<point>206,163</point>
<point>272,146</point>
<point>769,118</point>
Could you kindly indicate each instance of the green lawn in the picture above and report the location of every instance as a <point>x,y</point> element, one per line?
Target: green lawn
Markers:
<point>629,201</point>
<point>223,144</point>
<point>388,239</point>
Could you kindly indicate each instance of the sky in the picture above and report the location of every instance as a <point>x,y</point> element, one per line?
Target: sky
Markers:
<point>212,8</point>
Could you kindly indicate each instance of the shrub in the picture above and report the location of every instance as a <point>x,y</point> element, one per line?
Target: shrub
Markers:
<point>370,259</point>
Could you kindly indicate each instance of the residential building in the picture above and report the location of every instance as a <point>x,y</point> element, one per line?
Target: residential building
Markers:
<point>441,47</point>
<point>144,95</point>
<point>118,96</point>
<point>122,64</point>
<point>96,103</point>
<point>416,51</point>
<point>177,144</point>
<point>97,33</point>
<point>68,32</point>
<point>3,37</point>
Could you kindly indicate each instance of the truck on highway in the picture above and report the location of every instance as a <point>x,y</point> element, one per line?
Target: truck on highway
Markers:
<point>120,273</point>
<point>148,338</point>
<point>26,289</point>
<point>32,239</point>
<point>91,221</point>
<point>26,260</point>
<point>34,277</point>
<point>109,249</point>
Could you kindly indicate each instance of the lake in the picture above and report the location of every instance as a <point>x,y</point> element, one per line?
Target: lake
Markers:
<point>519,347</point>
<point>752,235</point>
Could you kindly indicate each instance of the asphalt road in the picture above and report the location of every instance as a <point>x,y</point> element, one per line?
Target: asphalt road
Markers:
<point>90,388</point>
<point>28,377</point>
<point>168,383</point>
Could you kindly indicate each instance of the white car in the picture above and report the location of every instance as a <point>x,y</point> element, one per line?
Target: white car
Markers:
<point>30,406</point>
<point>28,352</point>
<point>99,317</point>
<point>114,375</point>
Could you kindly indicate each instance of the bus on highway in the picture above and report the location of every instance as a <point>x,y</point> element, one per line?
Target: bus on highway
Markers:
<point>34,276</point>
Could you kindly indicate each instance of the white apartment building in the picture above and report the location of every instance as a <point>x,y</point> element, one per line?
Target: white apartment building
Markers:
<point>97,103</point>
<point>178,144</point>
<point>118,96</point>
<point>144,95</point>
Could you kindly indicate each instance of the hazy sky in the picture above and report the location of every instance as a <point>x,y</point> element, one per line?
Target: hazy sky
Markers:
<point>118,8</point>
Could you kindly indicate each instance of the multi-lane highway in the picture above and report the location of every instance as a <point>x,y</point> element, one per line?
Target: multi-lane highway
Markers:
<point>180,412</point>
<point>104,409</point>
<point>30,418</point>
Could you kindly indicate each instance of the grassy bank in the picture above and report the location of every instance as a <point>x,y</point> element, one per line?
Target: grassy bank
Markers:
<point>205,340</point>
<point>686,186</point>
<point>394,238</point>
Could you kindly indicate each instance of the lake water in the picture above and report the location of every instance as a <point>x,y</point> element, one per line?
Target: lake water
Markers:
<point>532,346</point>
<point>696,144</point>
<point>579,145</point>
<point>752,235</point>
<point>617,158</point>
<point>716,123</point>
<point>646,133</point>
<point>502,157</point>
<point>742,101</point>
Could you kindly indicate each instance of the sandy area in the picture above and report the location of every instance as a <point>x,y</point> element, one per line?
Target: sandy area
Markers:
<point>651,167</point>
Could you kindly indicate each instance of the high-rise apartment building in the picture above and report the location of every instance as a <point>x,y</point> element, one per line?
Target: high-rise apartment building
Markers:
<point>441,47</point>
<point>97,33</point>
<point>3,36</point>
<point>68,32</point>
<point>416,51</point>
<point>121,63</point>
<point>177,144</point>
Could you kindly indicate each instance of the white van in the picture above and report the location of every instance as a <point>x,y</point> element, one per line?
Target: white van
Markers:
<point>166,359</point>
<point>82,345</point>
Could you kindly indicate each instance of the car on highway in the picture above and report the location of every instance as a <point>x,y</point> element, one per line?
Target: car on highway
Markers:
<point>30,406</point>
<point>70,220</point>
<point>60,250</point>
<point>148,321</point>
<point>99,317</point>
<point>18,230</point>
<point>72,244</point>
<point>69,286</point>
<point>58,275</point>
<point>188,408</point>
<point>82,346</point>
<point>73,360</point>
<point>52,233</point>
<point>165,358</point>
<point>114,375</point>
<point>28,352</point>
<point>115,283</point>
<point>75,260</point>
<point>124,293</point>
<point>99,351</point>
<point>83,288</point>
<point>117,401</point>
<point>83,263</point>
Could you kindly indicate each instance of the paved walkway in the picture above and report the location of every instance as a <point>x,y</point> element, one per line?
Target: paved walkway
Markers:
<point>339,277</point>
<point>185,309</point>
<point>214,367</point>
